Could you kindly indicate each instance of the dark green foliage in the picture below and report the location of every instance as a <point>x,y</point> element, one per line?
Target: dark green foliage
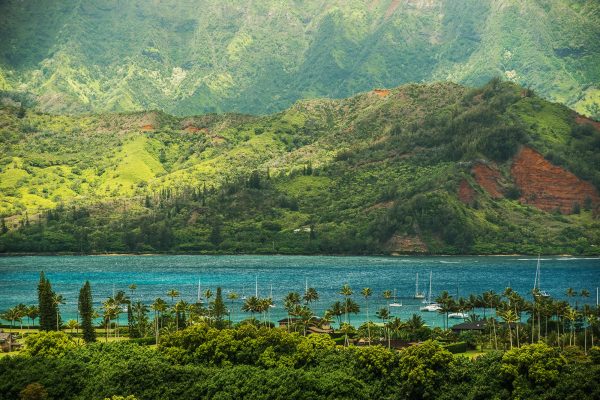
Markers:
<point>351,176</point>
<point>247,362</point>
<point>48,309</point>
<point>86,311</point>
<point>218,309</point>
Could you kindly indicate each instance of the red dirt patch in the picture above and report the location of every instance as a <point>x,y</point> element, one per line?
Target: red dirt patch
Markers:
<point>147,128</point>
<point>191,129</point>
<point>488,177</point>
<point>466,194</point>
<point>381,92</point>
<point>580,119</point>
<point>392,7</point>
<point>547,186</point>
<point>406,244</point>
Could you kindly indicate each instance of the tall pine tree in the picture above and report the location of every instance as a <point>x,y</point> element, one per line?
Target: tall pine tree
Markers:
<point>86,312</point>
<point>218,309</point>
<point>47,306</point>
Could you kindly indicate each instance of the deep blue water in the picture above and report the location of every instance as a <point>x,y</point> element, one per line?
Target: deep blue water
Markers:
<point>155,275</point>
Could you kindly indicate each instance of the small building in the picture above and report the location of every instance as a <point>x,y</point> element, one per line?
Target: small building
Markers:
<point>8,342</point>
<point>316,325</point>
<point>476,326</point>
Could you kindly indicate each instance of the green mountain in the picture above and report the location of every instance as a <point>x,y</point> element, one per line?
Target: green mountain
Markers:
<point>435,168</point>
<point>195,56</point>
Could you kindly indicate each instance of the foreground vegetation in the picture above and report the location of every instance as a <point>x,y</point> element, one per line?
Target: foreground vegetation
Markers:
<point>540,349</point>
<point>376,173</point>
<point>251,362</point>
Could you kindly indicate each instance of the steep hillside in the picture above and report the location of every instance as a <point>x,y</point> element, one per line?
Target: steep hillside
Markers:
<point>190,57</point>
<point>434,168</point>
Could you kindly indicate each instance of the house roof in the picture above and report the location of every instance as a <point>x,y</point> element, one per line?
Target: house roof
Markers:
<point>470,326</point>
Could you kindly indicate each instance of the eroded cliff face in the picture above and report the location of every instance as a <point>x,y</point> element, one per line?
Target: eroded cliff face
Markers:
<point>488,177</point>
<point>547,186</point>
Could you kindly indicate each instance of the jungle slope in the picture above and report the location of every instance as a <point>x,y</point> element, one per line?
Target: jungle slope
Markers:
<point>436,168</point>
<point>191,57</point>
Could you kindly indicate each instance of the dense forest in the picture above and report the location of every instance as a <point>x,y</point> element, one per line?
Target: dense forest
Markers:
<point>535,348</point>
<point>418,169</point>
<point>261,363</point>
<point>192,57</point>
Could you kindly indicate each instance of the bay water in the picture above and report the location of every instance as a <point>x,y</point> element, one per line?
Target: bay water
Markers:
<point>276,276</point>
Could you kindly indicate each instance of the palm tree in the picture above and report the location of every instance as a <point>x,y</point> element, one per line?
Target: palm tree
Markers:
<point>109,308</point>
<point>572,316</point>
<point>592,321</point>
<point>179,307</point>
<point>570,293</point>
<point>252,305</point>
<point>139,309</point>
<point>132,288</point>
<point>384,314</point>
<point>72,324</point>
<point>208,294</point>
<point>310,296</point>
<point>366,293</point>
<point>346,291</point>
<point>33,312</point>
<point>395,325</point>
<point>337,310</point>
<point>158,307</point>
<point>445,301</point>
<point>515,302</point>
<point>387,295</point>
<point>509,317</point>
<point>265,307</point>
<point>415,322</point>
<point>21,312</point>
<point>584,294</point>
<point>291,300</point>
<point>11,315</point>
<point>232,296</point>
<point>121,299</point>
<point>306,316</point>
<point>58,299</point>
<point>172,294</point>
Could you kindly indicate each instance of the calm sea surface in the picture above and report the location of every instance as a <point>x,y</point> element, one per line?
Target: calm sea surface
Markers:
<point>278,275</point>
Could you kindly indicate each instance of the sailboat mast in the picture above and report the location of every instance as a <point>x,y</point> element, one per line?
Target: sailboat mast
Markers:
<point>199,291</point>
<point>539,273</point>
<point>417,285</point>
<point>256,286</point>
<point>430,276</point>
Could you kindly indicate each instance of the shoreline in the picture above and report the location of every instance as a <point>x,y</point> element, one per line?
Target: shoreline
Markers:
<point>416,255</point>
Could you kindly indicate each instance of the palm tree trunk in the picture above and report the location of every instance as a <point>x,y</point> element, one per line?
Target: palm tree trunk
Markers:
<point>368,324</point>
<point>495,337</point>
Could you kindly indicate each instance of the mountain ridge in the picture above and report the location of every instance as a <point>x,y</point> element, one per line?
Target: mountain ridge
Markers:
<point>196,57</point>
<point>386,171</point>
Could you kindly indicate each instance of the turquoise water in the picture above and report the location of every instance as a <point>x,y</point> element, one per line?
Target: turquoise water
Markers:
<point>155,275</point>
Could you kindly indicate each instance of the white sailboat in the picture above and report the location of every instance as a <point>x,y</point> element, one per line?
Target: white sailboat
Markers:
<point>431,306</point>
<point>395,303</point>
<point>458,315</point>
<point>271,297</point>
<point>418,295</point>
<point>536,282</point>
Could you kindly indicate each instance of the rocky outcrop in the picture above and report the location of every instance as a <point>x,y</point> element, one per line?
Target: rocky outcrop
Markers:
<point>406,244</point>
<point>547,186</point>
